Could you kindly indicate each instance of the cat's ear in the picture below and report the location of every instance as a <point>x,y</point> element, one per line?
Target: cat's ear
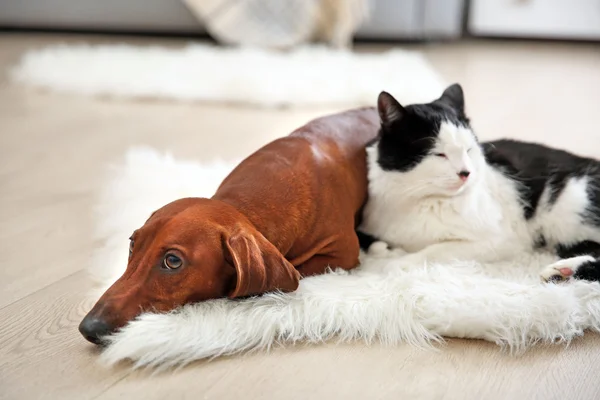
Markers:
<point>389,108</point>
<point>454,97</point>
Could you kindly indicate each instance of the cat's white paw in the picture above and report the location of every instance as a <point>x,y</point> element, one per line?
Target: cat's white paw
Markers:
<point>564,269</point>
<point>382,249</point>
<point>378,248</point>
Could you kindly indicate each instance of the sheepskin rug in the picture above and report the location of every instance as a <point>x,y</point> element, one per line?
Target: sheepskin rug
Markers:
<point>252,76</point>
<point>383,300</point>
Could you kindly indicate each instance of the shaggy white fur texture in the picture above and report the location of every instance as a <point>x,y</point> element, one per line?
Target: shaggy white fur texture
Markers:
<point>305,76</point>
<point>382,300</point>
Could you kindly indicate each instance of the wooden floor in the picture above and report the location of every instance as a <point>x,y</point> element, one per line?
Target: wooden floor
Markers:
<point>54,150</point>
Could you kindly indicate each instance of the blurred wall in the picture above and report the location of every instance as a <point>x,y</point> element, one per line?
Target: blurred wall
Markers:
<point>390,19</point>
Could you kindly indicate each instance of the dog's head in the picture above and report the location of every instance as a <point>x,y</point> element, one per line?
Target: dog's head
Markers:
<point>188,251</point>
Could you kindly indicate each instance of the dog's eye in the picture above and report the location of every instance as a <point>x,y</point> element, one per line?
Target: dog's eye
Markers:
<point>442,155</point>
<point>131,244</point>
<point>171,261</point>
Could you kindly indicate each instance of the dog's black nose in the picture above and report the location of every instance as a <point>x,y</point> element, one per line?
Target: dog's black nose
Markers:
<point>93,328</point>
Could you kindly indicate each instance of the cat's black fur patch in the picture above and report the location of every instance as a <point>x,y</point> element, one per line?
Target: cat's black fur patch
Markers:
<point>536,167</point>
<point>399,152</point>
<point>404,142</point>
<point>540,242</point>
<point>593,211</point>
<point>585,248</point>
<point>590,271</point>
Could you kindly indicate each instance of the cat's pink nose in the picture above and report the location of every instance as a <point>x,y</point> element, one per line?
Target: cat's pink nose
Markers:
<point>464,175</point>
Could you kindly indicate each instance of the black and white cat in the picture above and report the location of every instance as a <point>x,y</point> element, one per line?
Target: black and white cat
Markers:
<point>437,194</point>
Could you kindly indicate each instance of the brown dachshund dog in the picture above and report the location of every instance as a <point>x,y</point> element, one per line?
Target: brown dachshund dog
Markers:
<point>287,211</point>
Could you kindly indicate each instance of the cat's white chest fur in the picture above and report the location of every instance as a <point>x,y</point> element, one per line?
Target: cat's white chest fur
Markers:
<point>487,213</point>
<point>413,227</point>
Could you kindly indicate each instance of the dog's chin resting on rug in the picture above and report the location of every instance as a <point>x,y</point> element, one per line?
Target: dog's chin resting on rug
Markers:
<point>380,301</point>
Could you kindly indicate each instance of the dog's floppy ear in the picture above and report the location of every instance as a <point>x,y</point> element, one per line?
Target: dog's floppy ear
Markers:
<point>259,265</point>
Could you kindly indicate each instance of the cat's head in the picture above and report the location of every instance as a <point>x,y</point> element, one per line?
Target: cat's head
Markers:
<point>431,145</point>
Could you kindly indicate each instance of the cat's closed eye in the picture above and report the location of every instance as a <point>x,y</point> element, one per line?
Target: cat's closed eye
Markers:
<point>440,155</point>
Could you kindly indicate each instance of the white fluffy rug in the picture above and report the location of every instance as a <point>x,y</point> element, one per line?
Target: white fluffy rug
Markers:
<point>306,76</point>
<point>380,301</point>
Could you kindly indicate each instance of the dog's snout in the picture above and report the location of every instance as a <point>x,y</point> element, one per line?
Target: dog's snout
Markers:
<point>93,329</point>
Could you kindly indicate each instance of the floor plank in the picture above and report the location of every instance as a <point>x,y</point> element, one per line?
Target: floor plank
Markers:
<point>41,351</point>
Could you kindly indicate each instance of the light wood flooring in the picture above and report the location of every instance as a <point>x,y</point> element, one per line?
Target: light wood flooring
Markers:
<point>54,150</point>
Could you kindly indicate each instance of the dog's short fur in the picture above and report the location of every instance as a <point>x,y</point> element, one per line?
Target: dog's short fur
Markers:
<point>287,211</point>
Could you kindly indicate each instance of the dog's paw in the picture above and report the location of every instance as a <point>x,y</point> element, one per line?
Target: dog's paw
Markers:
<point>564,269</point>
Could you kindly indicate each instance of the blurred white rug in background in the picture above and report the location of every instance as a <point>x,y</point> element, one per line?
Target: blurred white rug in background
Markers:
<point>305,76</point>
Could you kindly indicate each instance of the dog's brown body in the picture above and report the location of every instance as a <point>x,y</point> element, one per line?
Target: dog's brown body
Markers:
<point>303,191</point>
<point>288,210</point>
